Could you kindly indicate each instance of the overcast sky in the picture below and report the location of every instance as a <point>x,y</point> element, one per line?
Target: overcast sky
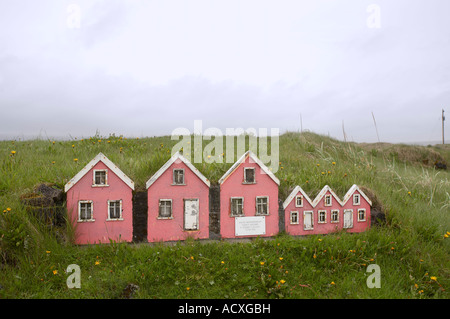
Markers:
<point>144,68</point>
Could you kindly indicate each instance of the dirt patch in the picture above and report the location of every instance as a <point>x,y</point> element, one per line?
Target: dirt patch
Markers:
<point>46,203</point>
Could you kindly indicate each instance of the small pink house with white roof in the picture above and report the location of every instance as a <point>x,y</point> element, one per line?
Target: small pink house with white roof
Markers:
<point>99,203</point>
<point>248,199</point>
<point>178,202</point>
<point>326,213</point>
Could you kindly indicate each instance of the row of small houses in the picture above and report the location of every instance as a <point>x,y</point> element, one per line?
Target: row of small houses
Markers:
<point>100,204</point>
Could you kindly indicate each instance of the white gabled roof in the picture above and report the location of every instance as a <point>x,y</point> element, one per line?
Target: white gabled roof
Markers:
<point>351,191</point>
<point>175,157</point>
<point>99,158</point>
<point>322,193</point>
<point>242,160</point>
<point>293,194</point>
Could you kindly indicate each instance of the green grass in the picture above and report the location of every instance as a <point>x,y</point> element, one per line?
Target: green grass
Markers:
<point>410,248</point>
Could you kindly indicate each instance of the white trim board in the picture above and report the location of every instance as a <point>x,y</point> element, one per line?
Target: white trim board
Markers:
<point>99,158</point>
<point>242,160</point>
<point>175,157</point>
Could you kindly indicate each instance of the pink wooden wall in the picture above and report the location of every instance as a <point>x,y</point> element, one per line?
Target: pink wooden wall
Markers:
<point>328,226</point>
<point>101,230</point>
<point>233,187</point>
<point>162,188</point>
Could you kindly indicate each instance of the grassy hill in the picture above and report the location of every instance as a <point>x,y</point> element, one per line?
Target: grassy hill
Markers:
<point>411,246</point>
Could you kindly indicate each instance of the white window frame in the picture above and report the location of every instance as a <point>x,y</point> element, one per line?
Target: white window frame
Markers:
<point>296,201</point>
<point>312,219</point>
<point>319,213</point>
<point>108,216</point>
<point>94,184</point>
<point>245,175</point>
<point>171,208</point>
<point>231,207</point>
<point>337,214</point>
<point>364,211</point>
<point>330,197</point>
<point>173,176</point>
<point>356,199</point>
<point>79,211</point>
<point>292,213</point>
<point>256,206</point>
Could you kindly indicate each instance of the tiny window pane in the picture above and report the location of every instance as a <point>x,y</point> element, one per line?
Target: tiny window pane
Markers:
<point>328,200</point>
<point>261,206</point>
<point>114,210</point>
<point>236,206</point>
<point>361,215</point>
<point>249,175</point>
<point>85,211</point>
<point>100,178</point>
<point>178,176</point>
<point>165,208</point>
<point>299,201</point>
<point>294,217</point>
<point>322,216</point>
<point>335,216</point>
<point>356,199</point>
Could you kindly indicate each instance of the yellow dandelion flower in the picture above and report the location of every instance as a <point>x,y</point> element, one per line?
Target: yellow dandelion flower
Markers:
<point>55,272</point>
<point>409,193</point>
<point>97,262</point>
<point>282,281</point>
<point>334,163</point>
<point>314,256</point>
<point>8,209</point>
<point>48,251</point>
<point>318,165</point>
<point>416,286</point>
<point>262,263</point>
<point>332,283</point>
<point>222,262</point>
<point>75,159</point>
<point>187,288</point>
<point>281,258</point>
<point>433,278</point>
<point>73,145</point>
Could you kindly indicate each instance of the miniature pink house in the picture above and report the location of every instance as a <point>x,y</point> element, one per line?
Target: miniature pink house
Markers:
<point>99,203</point>
<point>178,202</point>
<point>248,199</point>
<point>327,213</point>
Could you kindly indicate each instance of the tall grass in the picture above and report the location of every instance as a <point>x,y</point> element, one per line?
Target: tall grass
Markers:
<point>410,248</point>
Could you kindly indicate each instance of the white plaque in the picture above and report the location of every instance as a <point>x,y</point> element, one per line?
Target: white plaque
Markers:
<point>250,226</point>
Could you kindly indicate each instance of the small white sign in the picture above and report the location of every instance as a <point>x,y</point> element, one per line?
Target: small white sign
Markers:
<point>250,226</point>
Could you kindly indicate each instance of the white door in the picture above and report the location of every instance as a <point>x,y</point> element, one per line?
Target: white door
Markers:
<point>307,220</point>
<point>191,214</point>
<point>348,218</point>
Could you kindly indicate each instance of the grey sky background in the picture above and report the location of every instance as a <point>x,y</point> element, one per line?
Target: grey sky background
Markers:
<point>144,68</point>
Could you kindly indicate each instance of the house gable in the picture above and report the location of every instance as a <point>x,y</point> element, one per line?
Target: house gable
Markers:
<point>110,165</point>
<point>294,194</point>
<point>241,160</point>
<point>322,193</point>
<point>176,158</point>
<point>352,191</point>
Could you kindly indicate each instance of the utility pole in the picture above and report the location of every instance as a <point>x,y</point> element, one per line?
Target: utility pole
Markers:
<point>443,119</point>
<point>301,123</point>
